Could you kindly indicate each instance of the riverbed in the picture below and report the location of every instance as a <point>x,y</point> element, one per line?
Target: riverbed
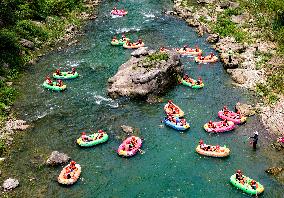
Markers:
<point>170,167</point>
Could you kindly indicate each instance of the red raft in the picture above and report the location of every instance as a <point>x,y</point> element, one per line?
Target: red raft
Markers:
<point>220,127</point>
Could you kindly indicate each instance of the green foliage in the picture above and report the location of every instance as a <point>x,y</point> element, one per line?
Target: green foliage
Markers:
<point>29,30</point>
<point>158,56</point>
<point>264,91</point>
<point>2,147</point>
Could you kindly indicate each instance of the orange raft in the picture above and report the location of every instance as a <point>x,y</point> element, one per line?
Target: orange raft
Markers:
<point>133,45</point>
<point>189,51</point>
<point>62,178</point>
<point>206,59</point>
<point>179,113</point>
<point>221,152</point>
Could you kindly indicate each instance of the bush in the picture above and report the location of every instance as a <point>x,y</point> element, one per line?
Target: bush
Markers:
<point>158,56</point>
<point>28,30</point>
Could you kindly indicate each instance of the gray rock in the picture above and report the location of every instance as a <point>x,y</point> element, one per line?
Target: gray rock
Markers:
<point>205,1</point>
<point>274,170</point>
<point>127,129</point>
<point>57,158</point>
<point>193,22</point>
<point>200,31</point>
<point>10,184</point>
<point>245,109</point>
<point>142,51</point>
<point>28,44</point>
<point>140,78</point>
<point>225,5</point>
<point>213,38</point>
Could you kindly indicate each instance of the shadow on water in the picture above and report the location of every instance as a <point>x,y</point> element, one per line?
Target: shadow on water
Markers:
<point>170,167</point>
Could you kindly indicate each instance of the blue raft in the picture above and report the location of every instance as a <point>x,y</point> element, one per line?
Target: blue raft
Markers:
<point>176,126</point>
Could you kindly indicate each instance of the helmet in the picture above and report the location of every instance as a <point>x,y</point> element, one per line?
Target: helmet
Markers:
<point>253,181</point>
<point>83,133</point>
<point>225,107</point>
<point>170,101</point>
<point>73,69</point>
<point>100,131</point>
<point>210,121</point>
<point>256,133</point>
<point>73,162</point>
<point>239,171</point>
<point>199,78</point>
<point>200,141</point>
<point>133,138</point>
<point>47,77</point>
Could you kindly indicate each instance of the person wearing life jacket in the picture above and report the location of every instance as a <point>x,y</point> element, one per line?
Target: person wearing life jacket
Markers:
<point>57,72</point>
<point>239,177</point>
<point>128,43</point>
<point>101,134</point>
<point>72,166</point>
<point>183,122</point>
<point>199,81</point>
<point>67,174</point>
<point>253,184</point>
<point>185,77</point>
<point>199,57</point>
<point>85,138</point>
<point>114,9</point>
<point>114,39</point>
<point>133,141</point>
<point>73,70</point>
<point>59,83</point>
<point>197,48</point>
<point>211,125</point>
<point>211,55</point>
<point>225,110</point>
<point>217,148</point>
<point>139,41</point>
<point>185,48</point>
<point>254,139</point>
<point>48,80</point>
<point>225,123</point>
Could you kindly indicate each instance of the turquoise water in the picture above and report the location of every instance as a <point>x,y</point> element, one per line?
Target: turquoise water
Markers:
<point>170,167</point>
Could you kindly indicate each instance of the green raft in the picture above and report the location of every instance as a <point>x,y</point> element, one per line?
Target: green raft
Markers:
<point>119,42</point>
<point>65,75</point>
<point>192,86</point>
<point>247,187</point>
<point>94,142</point>
<point>54,86</point>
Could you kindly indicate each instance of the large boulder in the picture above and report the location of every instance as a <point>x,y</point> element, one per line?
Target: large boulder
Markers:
<point>274,170</point>
<point>212,38</point>
<point>28,44</point>
<point>57,158</point>
<point>10,184</point>
<point>127,129</point>
<point>245,109</point>
<point>142,51</point>
<point>147,75</point>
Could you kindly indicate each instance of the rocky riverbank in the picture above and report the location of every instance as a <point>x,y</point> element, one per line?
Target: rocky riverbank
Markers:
<point>146,75</point>
<point>249,50</point>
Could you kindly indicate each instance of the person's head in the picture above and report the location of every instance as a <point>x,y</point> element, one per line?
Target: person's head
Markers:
<point>60,81</point>
<point>253,181</point>
<point>199,78</point>
<point>225,120</point>
<point>100,131</point>
<point>200,141</point>
<point>239,171</point>
<point>225,107</point>
<point>57,70</point>
<point>72,162</point>
<point>73,69</point>
<point>133,138</point>
<point>170,101</point>
<point>47,77</point>
<point>83,133</point>
<point>114,8</point>
<point>210,121</point>
<point>256,133</point>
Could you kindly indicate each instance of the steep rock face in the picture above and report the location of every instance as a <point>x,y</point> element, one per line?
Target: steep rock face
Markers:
<point>144,76</point>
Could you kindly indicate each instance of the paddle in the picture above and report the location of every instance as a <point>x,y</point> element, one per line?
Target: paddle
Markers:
<point>141,151</point>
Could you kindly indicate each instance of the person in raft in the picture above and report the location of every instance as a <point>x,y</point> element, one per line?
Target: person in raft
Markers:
<point>253,184</point>
<point>225,123</point>
<point>225,110</point>
<point>123,37</point>
<point>199,81</point>
<point>197,48</point>
<point>48,80</point>
<point>73,71</point>
<point>254,139</point>
<point>85,138</point>
<point>211,55</point>
<point>59,83</point>
<point>57,72</point>
<point>114,9</point>
<point>238,115</point>
<point>100,135</point>
<point>211,125</point>
<point>139,41</point>
<point>281,139</point>
<point>172,107</point>
<point>239,177</point>
<point>203,146</point>
<point>114,39</point>
<point>185,48</point>
<point>128,43</point>
<point>200,57</point>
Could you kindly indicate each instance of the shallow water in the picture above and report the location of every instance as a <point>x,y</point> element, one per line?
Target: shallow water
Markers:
<point>170,167</point>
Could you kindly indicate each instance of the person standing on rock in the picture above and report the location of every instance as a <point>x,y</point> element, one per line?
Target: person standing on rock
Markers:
<point>254,139</point>
<point>230,54</point>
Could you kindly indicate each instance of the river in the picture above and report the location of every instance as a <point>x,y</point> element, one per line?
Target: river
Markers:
<point>170,167</point>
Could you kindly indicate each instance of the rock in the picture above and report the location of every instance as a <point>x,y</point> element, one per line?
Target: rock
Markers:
<point>127,129</point>
<point>71,28</point>
<point>16,125</point>
<point>212,38</point>
<point>200,31</point>
<point>237,76</point>
<point>9,83</point>
<point>2,159</point>
<point>141,77</point>
<point>278,146</point>
<point>224,5</point>
<point>142,51</point>
<point>10,184</point>
<point>245,109</point>
<point>205,1</point>
<point>193,22</point>
<point>28,44</point>
<point>240,19</point>
<point>274,170</point>
<point>153,99</point>
<point>57,158</point>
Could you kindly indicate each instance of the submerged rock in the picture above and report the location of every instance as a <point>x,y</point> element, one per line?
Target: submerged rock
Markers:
<point>57,158</point>
<point>147,75</point>
<point>10,184</point>
<point>274,170</point>
<point>245,109</point>
<point>127,129</point>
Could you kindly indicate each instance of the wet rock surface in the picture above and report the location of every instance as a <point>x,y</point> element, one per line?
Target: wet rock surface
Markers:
<point>245,109</point>
<point>57,158</point>
<point>10,184</point>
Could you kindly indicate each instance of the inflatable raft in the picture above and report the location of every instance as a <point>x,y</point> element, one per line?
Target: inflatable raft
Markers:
<point>176,126</point>
<point>232,116</point>
<point>222,151</point>
<point>189,51</point>
<point>194,86</point>
<point>219,127</point>
<point>207,59</point>
<point>179,114</point>
<point>65,75</point>
<point>121,149</point>
<point>133,46</point>
<point>246,187</point>
<point>93,142</point>
<point>119,42</point>
<point>54,86</point>
<point>62,178</point>
<point>119,12</point>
